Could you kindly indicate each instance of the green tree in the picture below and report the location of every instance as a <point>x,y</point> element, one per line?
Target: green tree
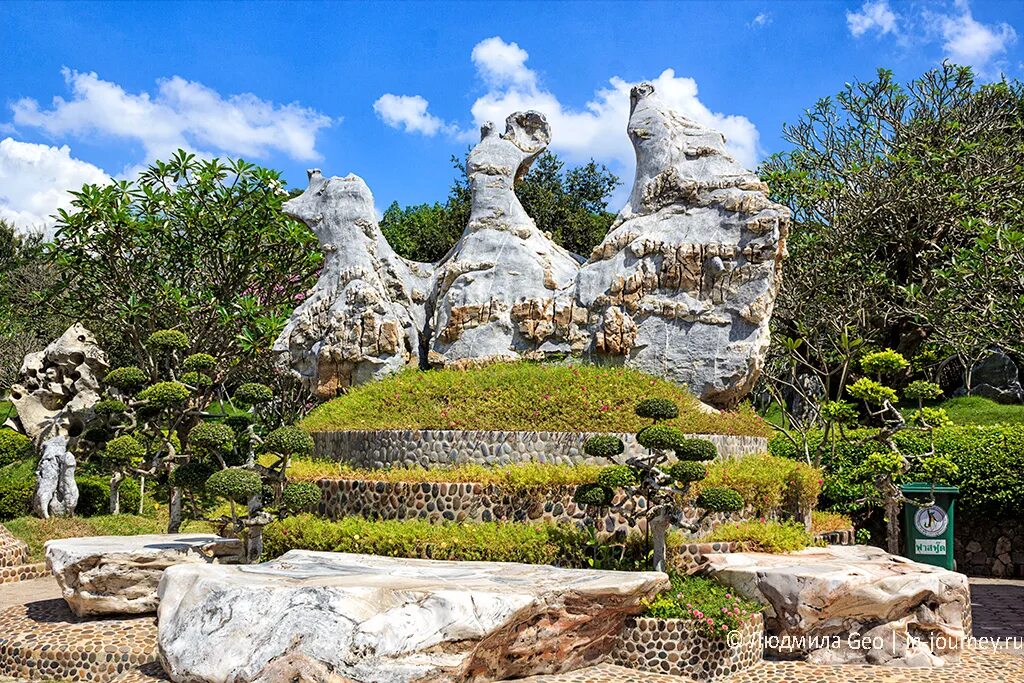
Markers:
<point>197,244</point>
<point>907,228</point>
<point>571,205</point>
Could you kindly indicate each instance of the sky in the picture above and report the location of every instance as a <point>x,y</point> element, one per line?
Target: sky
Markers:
<point>91,91</point>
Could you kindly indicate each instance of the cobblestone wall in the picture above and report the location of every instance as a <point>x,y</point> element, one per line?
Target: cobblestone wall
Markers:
<point>12,551</point>
<point>983,547</point>
<point>431,447</point>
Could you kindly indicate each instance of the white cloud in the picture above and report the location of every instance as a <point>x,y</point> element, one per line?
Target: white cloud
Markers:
<point>761,20</point>
<point>968,41</point>
<point>874,16</point>
<point>597,130</point>
<point>34,180</point>
<point>180,113</point>
<point>408,112</point>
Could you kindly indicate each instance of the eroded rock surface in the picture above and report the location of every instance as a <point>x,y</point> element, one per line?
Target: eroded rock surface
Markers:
<point>853,604</point>
<point>120,574</point>
<point>682,287</point>
<point>387,620</point>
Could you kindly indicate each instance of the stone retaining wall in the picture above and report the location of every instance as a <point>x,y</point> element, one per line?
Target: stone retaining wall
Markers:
<point>432,447</point>
<point>12,551</point>
<point>675,647</point>
<point>983,547</point>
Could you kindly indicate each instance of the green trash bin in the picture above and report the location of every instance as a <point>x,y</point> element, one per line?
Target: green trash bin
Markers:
<point>928,530</point>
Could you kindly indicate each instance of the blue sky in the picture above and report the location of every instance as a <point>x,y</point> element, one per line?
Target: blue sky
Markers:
<point>391,90</point>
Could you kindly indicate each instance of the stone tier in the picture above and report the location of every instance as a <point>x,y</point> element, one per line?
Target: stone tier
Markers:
<point>439,447</point>
<point>13,552</point>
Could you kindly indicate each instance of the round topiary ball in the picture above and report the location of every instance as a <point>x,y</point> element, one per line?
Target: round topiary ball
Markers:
<point>657,409</point>
<point>128,378</point>
<point>198,380</point>
<point>289,440</point>
<point>110,406</point>
<point>122,452</point>
<point>592,494</point>
<point>696,450</point>
<point>719,499</point>
<point>14,447</point>
<point>235,484</point>
<point>212,437</point>
<point>168,340</point>
<point>603,446</point>
<point>300,496</point>
<point>164,395</point>
<point>192,475</point>
<point>618,476</point>
<point>199,362</point>
<point>660,437</point>
<point>686,471</point>
<point>253,393</point>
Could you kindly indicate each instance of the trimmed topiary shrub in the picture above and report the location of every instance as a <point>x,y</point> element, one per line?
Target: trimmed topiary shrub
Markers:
<point>299,497</point>
<point>93,496</point>
<point>123,452</point>
<point>212,438</point>
<point>687,471</point>
<point>198,380</point>
<point>128,378</point>
<point>603,446</point>
<point>699,450</point>
<point>288,441</point>
<point>657,409</point>
<point>168,340</point>
<point>110,407</point>
<point>15,498</point>
<point>618,476</point>
<point>165,395</point>
<point>253,393</point>
<point>199,362</point>
<point>593,494</point>
<point>234,484</point>
<point>719,499</point>
<point>660,437</point>
<point>192,475</point>
<point>14,447</point>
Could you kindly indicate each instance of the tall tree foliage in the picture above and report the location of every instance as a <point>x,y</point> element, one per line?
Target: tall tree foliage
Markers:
<point>907,227</point>
<point>571,205</point>
<point>199,245</point>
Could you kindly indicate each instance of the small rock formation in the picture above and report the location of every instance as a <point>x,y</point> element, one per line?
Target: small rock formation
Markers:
<point>682,286</point>
<point>56,492</point>
<point>853,604</point>
<point>389,620</point>
<point>997,377</point>
<point>363,318</point>
<point>120,574</point>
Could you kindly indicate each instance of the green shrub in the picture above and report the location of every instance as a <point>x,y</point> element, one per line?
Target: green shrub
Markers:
<point>686,471</point>
<point>719,499</point>
<point>711,607</point>
<point>823,522</point>
<point>768,483</point>
<point>168,340</point>
<point>288,441</point>
<point>763,536</point>
<point>15,498</point>
<point>110,406</point>
<point>212,438</point>
<point>592,494</point>
<point>200,381</point>
<point>253,393</point>
<point>884,362</point>
<point>192,475</point>
<point>618,476</point>
<point>657,409</point>
<point>923,390</point>
<point>199,362</point>
<point>234,484</point>
<point>163,395</point>
<point>485,541</point>
<point>696,449</point>
<point>300,496</point>
<point>660,437</point>
<point>128,378</point>
<point>123,452</point>
<point>93,496</point>
<point>870,391</point>
<point>603,446</point>
<point>14,447</point>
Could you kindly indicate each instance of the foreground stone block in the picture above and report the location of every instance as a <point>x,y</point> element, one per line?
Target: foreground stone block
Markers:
<point>853,604</point>
<point>387,620</point>
<point>120,574</point>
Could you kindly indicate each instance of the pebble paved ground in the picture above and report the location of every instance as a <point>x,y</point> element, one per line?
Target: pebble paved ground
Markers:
<point>998,613</point>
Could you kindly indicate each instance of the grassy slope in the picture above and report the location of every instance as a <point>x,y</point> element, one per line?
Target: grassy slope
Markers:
<point>521,396</point>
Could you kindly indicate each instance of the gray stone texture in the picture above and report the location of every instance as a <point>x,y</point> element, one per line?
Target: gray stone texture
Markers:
<point>682,287</point>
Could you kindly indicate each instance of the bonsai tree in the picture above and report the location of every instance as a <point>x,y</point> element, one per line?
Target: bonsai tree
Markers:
<point>660,479</point>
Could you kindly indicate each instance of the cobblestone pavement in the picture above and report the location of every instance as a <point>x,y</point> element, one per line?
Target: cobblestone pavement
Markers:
<point>24,592</point>
<point>998,608</point>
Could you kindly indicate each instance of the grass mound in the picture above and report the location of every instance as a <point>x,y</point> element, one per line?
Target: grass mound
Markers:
<point>36,532</point>
<point>521,397</point>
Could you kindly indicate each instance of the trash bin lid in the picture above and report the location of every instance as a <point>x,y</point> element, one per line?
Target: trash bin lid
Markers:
<point>924,487</point>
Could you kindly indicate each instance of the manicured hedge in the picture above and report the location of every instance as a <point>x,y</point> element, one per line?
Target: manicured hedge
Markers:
<point>768,483</point>
<point>991,478</point>
<point>486,541</point>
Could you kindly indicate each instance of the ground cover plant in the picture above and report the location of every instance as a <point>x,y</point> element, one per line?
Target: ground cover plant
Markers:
<point>521,396</point>
<point>763,535</point>
<point>713,609</point>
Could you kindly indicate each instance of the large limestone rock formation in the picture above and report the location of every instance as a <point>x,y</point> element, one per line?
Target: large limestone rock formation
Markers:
<point>120,574</point>
<point>853,604</point>
<point>387,620</point>
<point>682,287</point>
<point>684,283</point>
<point>364,316</point>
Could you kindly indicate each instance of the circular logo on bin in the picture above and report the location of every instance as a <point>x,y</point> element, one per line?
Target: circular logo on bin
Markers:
<point>931,521</point>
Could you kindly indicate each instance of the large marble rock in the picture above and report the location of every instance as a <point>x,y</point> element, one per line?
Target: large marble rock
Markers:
<point>682,286</point>
<point>853,604</point>
<point>385,620</point>
<point>121,574</point>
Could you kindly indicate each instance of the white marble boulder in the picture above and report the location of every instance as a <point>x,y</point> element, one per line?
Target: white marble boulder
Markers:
<point>387,620</point>
<point>852,604</point>
<point>121,574</point>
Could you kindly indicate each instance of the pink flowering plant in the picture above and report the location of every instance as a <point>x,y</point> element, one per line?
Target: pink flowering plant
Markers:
<point>713,610</point>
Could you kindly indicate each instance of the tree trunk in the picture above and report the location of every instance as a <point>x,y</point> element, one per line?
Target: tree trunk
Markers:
<point>659,530</point>
<point>142,494</point>
<point>254,537</point>
<point>174,524</point>
<point>115,493</point>
<point>892,525</point>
